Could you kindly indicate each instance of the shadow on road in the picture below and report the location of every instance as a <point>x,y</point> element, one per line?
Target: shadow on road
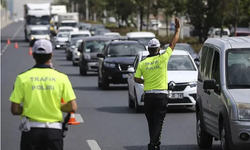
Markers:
<point>172,147</point>
<point>89,88</point>
<point>180,110</point>
<point>116,110</point>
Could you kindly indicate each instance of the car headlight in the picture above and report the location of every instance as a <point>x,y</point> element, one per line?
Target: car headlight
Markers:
<point>193,84</point>
<point>109,65</point>
<point>48,38</point>
<point>32,38</point>
<point>87,57</point>
<point>243,111</point>
<point>51,28</point>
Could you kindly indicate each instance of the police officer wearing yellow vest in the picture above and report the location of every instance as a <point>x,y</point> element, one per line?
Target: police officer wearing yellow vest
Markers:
<point>155,80</point>
<point>39,90</point>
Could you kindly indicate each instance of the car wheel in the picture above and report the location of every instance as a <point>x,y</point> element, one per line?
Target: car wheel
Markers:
<point>68,56</point>
<point>99,82</point>
<point>204,139</point>
<point>138,108</point>
<point>105,84</point>
<point>82,71</point>
<point>131,103</point>
<point>73,63</point>
<point>223,138</point>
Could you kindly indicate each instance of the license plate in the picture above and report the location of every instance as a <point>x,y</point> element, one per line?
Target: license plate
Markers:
<point>125,76</point>
<point>177,95</point>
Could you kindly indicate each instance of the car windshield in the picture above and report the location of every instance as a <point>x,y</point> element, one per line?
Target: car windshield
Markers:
<point>187,48</point>
<point>78,43</point>
<point>242,34</point>
<point>32,20</point>
<point>94,46</point>
<point>123,50</point>
<point>79,35</point>
<point>143,40</point>
<point>62,35</point>
<point>179,63</point>
<point>238,68</point>
<point>39,32</point>
<point>73,42</point>
<point>223,33</point>
<point>68,24</point>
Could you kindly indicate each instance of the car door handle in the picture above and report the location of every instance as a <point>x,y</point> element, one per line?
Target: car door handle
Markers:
<point>207,91</point>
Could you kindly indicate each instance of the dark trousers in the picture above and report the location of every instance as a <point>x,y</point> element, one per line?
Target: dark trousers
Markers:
<point>155,106</point>
<point>42,139</point>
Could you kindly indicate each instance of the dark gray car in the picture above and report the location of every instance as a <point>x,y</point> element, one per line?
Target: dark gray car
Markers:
<point>89,48</point>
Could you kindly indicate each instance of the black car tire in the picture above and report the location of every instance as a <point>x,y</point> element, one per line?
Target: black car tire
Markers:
<point>204,140</point>
<point>74,64</point>
<point>223,139</point>
<point>68,56</point>
<point>99,82</point>
<point>131,103</point>
<point>82,71</point>
<point>138,109</point>
<point>105,84</point>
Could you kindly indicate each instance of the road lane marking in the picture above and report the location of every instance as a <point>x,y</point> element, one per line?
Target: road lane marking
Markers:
<point>6,46</point>
<point>93,145</point>
<point>78,118</point>
<point>16,32</point>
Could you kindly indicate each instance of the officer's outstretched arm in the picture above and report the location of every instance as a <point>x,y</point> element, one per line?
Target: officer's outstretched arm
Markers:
<point>176,34</point>
<point>71,106</point>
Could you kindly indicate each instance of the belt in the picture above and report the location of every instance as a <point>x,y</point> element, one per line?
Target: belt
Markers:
<point>157,91</point>
<point>54,125</point>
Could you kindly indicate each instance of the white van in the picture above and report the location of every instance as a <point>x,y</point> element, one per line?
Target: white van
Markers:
<point>143,37</point>
<point>215,33</point>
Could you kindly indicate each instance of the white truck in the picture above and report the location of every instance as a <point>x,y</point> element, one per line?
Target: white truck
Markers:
<point>55,11</point>
<point>69,19</point>
<point>36,14</point>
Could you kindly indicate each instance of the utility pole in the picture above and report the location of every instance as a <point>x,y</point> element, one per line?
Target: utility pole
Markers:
<point>87,9</point>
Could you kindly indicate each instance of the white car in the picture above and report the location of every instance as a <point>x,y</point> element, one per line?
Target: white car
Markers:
<point>143,37</point>
<point>39,32</point>
<point>113,34</point>
<point>215,33</point>
<point>181,69</point>
<point>76,54</point>
<point>61,39</point>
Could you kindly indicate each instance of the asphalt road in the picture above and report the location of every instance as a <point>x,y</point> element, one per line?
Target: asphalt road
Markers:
<point>108,122</point>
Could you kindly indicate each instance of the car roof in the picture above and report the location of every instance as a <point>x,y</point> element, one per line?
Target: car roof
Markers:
<point>91,38</point>
<point>124,41</point>
<point>39,28</point>
<point>179,44</point>
<point>140,34</point>
<point>80,32</point>
<point>63,33</point>
<point>175,52</point>
<point>225,43</point>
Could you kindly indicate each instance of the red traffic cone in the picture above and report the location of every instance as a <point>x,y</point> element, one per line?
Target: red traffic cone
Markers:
<point>8,41</point>
<point>16,45</point>
<point>30,51</point>
<point>72,120</point>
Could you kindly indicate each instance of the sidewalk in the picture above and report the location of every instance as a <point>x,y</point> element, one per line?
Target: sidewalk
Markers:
<point>5,23</point>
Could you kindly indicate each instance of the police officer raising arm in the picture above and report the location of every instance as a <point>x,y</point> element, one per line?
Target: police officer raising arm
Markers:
<point>153,69</point>
<point>39,90</point>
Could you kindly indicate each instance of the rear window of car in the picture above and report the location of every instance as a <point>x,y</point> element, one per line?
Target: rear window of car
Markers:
<point>125,49</point>
<point>79,35</point>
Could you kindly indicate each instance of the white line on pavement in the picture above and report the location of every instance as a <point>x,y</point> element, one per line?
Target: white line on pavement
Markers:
<point>6,46</point>
<point>78,118</point>
<point>16,32</point>
<point>93,145</point>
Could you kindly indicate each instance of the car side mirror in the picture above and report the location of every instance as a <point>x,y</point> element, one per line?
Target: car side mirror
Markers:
<point>79,50</point>
<point>196,59</point>
<point>100,55</point>
<point>209,84</point>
